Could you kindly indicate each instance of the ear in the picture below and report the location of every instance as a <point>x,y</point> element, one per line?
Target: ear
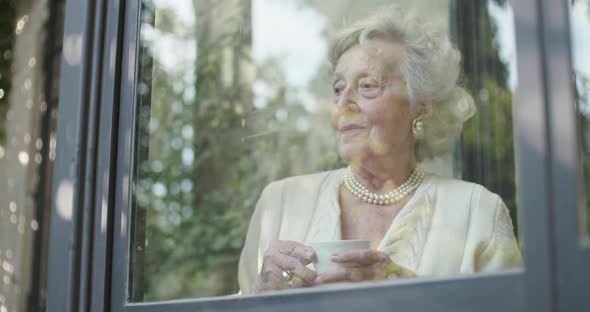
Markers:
<point>425,110</point>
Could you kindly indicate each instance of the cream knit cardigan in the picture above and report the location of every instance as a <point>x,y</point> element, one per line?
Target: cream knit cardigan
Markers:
<point>447,227</point>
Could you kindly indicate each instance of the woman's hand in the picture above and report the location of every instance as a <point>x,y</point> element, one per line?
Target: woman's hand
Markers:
<point>363,265</point>
<point>285,256</point>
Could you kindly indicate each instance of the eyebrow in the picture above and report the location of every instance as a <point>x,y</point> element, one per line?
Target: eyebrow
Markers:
<point>362,72</point>
<point>359,74</point>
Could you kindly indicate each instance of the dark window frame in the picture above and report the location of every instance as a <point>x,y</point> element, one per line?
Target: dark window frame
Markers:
<point>572,251</point>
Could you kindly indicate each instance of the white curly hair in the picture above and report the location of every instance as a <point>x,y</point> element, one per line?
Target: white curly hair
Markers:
<point>430,67</point>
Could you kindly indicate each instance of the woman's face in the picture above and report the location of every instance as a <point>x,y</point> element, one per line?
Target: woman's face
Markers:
<point>371,114</point>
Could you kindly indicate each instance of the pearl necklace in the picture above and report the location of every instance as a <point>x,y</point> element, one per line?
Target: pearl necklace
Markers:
<point>360,191</point>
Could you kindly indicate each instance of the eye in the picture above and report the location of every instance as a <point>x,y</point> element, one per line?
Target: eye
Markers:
<point>337,89</point>
<point>368,84</point>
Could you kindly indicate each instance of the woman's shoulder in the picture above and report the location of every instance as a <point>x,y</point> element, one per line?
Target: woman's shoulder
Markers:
<point>467,203</point>
<point>473,220</point>
<point>465,197</point>
<point>444,185</point>
<point>298,197</point>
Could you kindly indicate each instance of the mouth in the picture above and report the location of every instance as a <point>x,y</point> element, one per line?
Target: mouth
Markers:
<point>349,128</point>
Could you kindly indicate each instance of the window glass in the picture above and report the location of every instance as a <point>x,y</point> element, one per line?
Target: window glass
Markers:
<point>30,59</point>
<point>233,95</point>
<point>580,31</point>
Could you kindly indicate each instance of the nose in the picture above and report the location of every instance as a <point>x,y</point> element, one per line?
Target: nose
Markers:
<point>348,99</point>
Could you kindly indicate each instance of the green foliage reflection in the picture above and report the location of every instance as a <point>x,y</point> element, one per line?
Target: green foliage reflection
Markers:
<point>205,151</point>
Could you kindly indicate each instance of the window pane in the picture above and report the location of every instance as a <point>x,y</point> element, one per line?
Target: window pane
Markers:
<point>580,28</point>
<point>29,89</point>
<point>233,95</point>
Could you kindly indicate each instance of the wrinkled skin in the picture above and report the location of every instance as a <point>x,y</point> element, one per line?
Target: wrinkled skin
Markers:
<point>286,256</point>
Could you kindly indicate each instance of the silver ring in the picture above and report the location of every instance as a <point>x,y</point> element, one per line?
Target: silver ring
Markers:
<point>288,277</point>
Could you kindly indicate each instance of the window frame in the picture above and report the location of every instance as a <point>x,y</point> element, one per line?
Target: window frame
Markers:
<point>572,252</point>
<point>89,252</point>
<point>80,237</point>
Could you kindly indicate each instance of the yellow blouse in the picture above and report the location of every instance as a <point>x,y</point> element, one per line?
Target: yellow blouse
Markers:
<point>447,227</point>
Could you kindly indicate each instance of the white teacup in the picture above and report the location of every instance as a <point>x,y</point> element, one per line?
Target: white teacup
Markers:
<point>325,250</point>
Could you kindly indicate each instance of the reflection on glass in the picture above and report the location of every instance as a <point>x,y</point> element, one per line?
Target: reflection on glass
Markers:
<point>580,32</point>
<point>28,110</point>
<point>236,94</point>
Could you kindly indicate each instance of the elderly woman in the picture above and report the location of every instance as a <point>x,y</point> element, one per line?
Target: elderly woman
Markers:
<point>396,102</point>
